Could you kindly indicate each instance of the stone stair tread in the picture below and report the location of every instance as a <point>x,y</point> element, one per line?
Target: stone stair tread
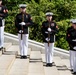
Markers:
<point>2,72</point>
<point>58,62</point>
<point>0,53</point>
<point>16,49</point>
<point>6,62</point>
<point>6,57</point>
<point>32,66</point>
<point>19,73</point>
<point>62,68</point>
<point>35,74</point>
<point>66,62</point>
<point>20,67</point>
<point>35,66</point>
<point>29,51</point>
<point>7,45</point>
<point>59,65</point>
<point>65,72</point>
<point>43,57</point>
<point>11,53</point>
<point>49,70</point>
<point>35,55</point>
<point>13,48</point>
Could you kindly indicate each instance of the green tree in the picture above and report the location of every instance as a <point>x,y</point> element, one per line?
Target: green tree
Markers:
<point>63,11</point>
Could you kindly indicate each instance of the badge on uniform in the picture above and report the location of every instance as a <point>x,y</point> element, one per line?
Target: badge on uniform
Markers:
<point>52,24</point>
<point>26,16</point>
<point>0,8</point>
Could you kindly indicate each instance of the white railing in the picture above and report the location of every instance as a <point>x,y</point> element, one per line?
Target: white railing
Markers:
<point>36,45</point>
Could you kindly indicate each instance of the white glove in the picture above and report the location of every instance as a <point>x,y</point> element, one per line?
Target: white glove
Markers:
<point>46,32</point>
<point>74,40</point>
<point>74,48</point>
<point>49,29</point>
<point>20,31</point>
<point>22,23</point>
<point>47,39</point>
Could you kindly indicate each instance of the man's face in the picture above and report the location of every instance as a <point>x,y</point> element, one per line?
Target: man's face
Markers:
<point>74,25</point>
<point>0,2</point>
<point>49,18</point>
<point>22,10</point>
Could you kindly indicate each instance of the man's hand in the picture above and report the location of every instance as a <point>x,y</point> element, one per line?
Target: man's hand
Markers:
<point>49,29</point>
<point>46,32</point>
<point>47,39</point>
<point>20,31</point>
<point>74,40</point>
<point>74,48</point>
<point>22,23</point>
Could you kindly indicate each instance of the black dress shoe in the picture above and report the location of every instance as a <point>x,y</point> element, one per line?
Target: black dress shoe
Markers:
<point>74,73</point>
<point>47,64</point>
<point>21,57</point>
<point>71,70</point>
<point>25,57</point>
<point>0,49</point>
<point>50,64</point>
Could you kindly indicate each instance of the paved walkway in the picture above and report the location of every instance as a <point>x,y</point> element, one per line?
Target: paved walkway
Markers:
<point>11,64</point>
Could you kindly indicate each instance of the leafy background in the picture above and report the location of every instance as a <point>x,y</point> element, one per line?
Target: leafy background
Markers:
<point>63,10</point>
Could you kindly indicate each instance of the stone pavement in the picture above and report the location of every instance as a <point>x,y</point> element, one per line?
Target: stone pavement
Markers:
<point>11,64</point>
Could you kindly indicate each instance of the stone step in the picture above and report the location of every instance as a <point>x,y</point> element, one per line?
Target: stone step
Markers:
<point>36,68</point>
<point>62,68</point>
<point>6,46</point>
<point>15,48</point>
<point>66,62</point>
<point>0,53</point>
<point>49,70</point>
<point>20,67</point>
<point>29,51</point>
<point>6,62</point>
<point>35,65</point>
<point>43,58</point>
<point>35,55</point>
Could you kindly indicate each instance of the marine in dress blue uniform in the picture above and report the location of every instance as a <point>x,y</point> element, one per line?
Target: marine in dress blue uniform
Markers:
<point>71,39</point>
<point>49,29</point>
<point>3,15</point>
<point>22,22</point>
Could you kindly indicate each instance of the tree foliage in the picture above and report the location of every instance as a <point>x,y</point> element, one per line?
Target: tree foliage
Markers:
<point>63,11</point>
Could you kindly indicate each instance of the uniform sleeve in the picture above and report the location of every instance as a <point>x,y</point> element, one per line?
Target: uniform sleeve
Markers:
<point>43,30</point>
<point>55,30</point>
<point>5,12</point>
<point>69,39</point>
<point>17,23</point>
<point>30,22</point>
